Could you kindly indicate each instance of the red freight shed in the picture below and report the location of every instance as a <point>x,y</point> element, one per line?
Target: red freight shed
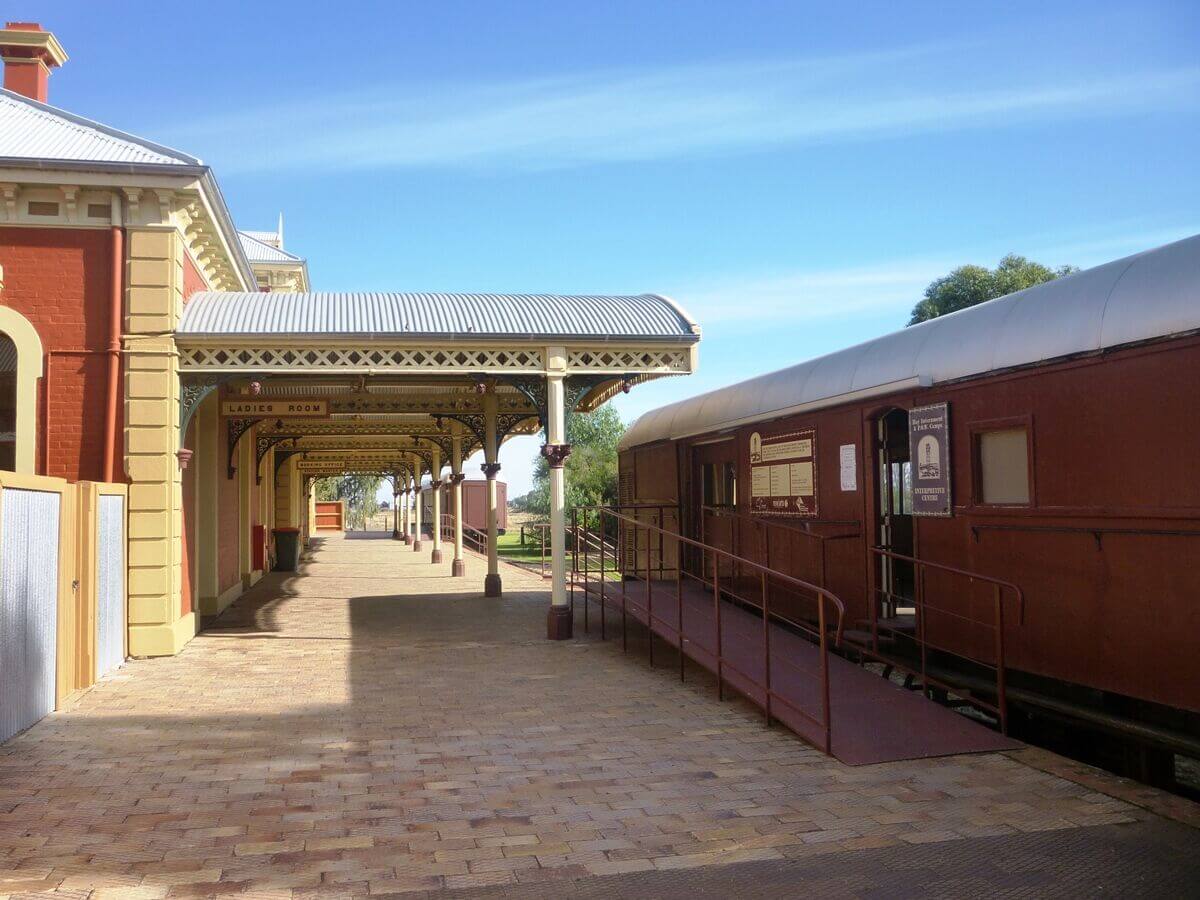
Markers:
<point>1048,438</point>
<point>474,504</point>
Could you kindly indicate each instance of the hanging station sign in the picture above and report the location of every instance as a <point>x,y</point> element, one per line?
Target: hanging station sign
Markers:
<point>294,408</point>
<point>783,473</point>
<point>929,453</point>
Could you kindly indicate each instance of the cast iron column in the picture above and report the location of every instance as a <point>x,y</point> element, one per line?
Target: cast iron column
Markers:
<point>492,586</point>
<point>458,568</point>
<point>436,524</point>
<point>559,624</point>
<point>417,515</point>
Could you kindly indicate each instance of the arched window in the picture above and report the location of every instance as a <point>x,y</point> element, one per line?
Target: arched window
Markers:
<point>8,403</point>
<point>20,369</point>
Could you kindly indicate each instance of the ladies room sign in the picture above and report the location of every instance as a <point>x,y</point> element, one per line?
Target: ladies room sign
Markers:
<point>929,452</point>
<point>783,475</point>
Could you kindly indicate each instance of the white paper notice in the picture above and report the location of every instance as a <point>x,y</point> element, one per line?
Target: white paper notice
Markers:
<point>800,479</point>
<point>779,480</point>
<point>848,457</point>
<point>760,482</point>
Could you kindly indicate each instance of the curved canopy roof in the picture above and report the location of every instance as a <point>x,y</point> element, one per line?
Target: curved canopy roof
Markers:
<point>1149,295</point>
<point>642,316</point>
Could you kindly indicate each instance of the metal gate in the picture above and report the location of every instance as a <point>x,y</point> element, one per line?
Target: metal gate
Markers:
<point>28,606</point>
<point>110,584</point>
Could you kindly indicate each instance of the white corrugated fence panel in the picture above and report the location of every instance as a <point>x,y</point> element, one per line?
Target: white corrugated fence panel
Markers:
<point>110,584</point>
<point>28,606</point>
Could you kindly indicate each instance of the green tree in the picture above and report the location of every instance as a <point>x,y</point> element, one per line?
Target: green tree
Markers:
<point>358,493</point>
<point>591,469</point>
<point>970,285</point>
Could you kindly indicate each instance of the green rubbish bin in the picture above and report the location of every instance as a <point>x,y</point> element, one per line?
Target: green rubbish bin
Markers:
<point>287,549</point>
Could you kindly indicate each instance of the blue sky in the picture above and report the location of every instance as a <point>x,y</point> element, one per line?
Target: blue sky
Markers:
<point>794,174</point>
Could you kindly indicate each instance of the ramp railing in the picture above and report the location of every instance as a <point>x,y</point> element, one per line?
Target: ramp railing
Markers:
<point>473,538</point>
<point>768,532</point>
<point>978,624</point>
<point>648,553</point>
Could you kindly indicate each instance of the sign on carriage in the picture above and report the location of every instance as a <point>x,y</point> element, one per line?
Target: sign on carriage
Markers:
<point>929,455</point>
<point>783,477</point>
<point>283,409</point>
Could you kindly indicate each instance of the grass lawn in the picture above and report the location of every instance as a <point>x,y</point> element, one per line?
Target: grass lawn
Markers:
<point>509,546</point>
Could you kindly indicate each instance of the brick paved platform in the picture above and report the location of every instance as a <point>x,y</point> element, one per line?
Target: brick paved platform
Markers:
<point>376,726</point>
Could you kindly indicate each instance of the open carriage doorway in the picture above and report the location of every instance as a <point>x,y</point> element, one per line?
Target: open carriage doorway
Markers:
<point>894,520</point>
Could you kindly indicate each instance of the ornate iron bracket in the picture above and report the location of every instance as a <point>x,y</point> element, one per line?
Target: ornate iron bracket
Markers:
<point>234,429</point>
<point>476,424</point>
<point>575,388</point>
<point>193,389</point>
<point>281,457</point>
<point>262,446</point>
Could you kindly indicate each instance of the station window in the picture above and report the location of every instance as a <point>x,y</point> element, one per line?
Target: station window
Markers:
<point>8,403</point>
<point>1003,464</point>
<point>719,486</point>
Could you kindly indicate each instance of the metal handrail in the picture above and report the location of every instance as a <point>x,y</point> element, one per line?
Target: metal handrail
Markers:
<point>767,575</point>
<point>472,536</point>
<point>922,607</point>
<point>803,529</point>
<point>573,533</point>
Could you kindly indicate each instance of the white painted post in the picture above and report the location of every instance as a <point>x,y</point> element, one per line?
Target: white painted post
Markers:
<point>436,524</point>
<point>492,585</point>
<point>459,567</point>
<point>404,513</point>
<point>559,624</point>
<point>417,511</point>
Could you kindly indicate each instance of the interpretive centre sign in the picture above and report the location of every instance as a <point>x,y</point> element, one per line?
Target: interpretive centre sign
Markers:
<point>783,473</point>
<point>929,453</point>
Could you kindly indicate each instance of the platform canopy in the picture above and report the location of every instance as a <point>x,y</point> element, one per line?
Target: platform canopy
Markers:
<point>400,369</point>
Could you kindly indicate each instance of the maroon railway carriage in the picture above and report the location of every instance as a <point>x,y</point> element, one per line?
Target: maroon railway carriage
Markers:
<point>1049,438</point>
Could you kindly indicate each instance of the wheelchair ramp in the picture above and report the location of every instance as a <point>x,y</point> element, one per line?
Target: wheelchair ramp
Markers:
<point>872,719</point>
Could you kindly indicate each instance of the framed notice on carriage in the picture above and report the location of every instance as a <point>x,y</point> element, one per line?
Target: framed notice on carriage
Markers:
<point>929,457</point>
<point>783,473</point>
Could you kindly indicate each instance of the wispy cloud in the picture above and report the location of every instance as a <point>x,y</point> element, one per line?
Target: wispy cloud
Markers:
<point>893,286</point>
<point>665,113</point>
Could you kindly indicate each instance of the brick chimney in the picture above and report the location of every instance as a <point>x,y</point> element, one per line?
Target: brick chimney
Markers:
<point>29,53</point>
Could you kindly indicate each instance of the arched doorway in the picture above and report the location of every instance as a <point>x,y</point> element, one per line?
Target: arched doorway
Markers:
<point>20,369</point>
<point>8,403</point>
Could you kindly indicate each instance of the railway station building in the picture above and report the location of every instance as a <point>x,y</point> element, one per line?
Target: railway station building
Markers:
<point>182,369</point>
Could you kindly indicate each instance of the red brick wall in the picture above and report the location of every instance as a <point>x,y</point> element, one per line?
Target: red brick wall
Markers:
<point>59,279</point>
<point>193,280</point>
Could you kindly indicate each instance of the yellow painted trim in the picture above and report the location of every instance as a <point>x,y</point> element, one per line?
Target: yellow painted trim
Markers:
<point>29,369</point>
<point>164,639</point>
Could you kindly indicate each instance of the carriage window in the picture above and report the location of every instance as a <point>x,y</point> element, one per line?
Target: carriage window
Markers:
<point>8,403</point>
<point>719,484</point>
<point>1003,457</point>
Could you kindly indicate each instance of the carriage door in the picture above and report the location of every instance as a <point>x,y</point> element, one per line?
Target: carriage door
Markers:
<point>895,520</point>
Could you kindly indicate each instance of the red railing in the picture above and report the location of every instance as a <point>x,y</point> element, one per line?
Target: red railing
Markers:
<point>925,611</point>
<point>765,527</point>
<point>473,538</point>
<point>647,541</point>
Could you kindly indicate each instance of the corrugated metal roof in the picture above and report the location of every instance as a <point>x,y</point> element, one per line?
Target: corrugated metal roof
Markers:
<point>267,237</point>
<point>1149,295</point>
<point>257,251</point>
<point>33,130</point>
<point>525,315</point>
